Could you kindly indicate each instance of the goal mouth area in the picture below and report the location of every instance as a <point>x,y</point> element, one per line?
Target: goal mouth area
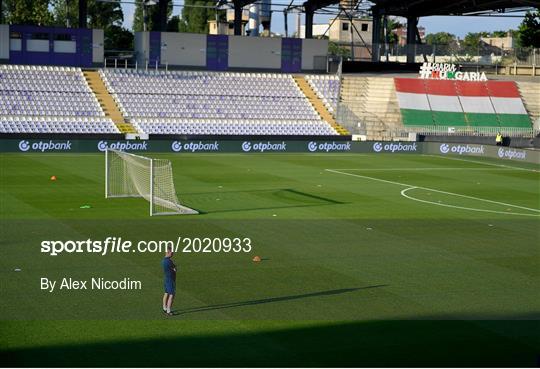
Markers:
<point>131,175</point>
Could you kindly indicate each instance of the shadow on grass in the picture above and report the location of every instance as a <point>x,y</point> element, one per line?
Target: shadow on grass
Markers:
<point>433,343</point>
<point>297,198</point>
<point>274,299</point>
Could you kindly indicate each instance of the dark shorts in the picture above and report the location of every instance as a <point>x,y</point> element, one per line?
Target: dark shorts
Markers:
<point>170,287</point>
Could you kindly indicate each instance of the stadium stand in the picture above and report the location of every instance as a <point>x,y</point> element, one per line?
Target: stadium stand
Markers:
<point>373,100</point>
<point>319,105</point>
<point>530,93</point>
<point>327,88</point>
<point>93,78</point>
<point>36,99</point>
<point>183,102</point>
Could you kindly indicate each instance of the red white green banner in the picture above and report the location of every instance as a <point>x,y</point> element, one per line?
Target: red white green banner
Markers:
<point>454,103</point>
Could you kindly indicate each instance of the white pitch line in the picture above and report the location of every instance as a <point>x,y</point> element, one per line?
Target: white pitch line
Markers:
<point>483,163</point>
<point>403,193</point>
<point>432,189</point>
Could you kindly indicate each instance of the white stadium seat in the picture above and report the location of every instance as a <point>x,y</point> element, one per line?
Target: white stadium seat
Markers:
<point>41,99</point>
<point>185,102</point>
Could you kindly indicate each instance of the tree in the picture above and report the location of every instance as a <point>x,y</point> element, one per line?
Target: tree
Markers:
<point>440,38</point>
<point>35,12</point>
<point>118,38</point>
<point>65,13</point>
<point>337,50</point>
<point>153,16</point>
<point>100,14</point>
<point>498,34</point>
<point>391,30</point>
<point>472,42</point>
<point>445,43</point>
<point>195,18</point>
<point>529,30</point>
<point>173,24</point>
<point>103,15</point>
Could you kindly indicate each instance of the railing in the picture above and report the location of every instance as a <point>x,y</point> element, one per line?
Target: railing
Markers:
<point>481,55</point>
<point>119,63</point>
<point>132,63</point>
<point>349,120</point>
<point>473,131</point>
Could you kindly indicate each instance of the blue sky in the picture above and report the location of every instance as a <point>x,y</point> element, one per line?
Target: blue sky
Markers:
<point>459,26</point>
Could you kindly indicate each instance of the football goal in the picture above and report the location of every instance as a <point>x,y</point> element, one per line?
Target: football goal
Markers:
<point>130,175</point>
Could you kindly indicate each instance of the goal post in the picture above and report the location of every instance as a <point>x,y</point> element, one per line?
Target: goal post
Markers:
<point>130,175</point>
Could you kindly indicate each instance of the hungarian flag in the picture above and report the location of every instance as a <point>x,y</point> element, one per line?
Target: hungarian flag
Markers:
<point>454,103</point>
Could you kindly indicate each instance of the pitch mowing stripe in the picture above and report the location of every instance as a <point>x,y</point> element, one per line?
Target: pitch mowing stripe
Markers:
<point>438,191</point>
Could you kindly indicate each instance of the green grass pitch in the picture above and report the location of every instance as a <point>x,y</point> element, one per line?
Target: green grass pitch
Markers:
<point>381,260</point>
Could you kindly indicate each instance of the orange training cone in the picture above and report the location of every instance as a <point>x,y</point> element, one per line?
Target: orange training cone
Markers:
<point>53,178</point>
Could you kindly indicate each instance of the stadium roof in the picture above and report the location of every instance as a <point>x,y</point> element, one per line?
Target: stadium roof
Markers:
<point>435,7</point>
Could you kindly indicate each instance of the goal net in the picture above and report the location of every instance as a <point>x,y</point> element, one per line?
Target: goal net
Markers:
<point>129,175</point>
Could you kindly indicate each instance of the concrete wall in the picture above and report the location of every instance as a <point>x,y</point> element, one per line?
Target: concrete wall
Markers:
<point>361,26</point>
<point>65,46</point>
<point>310,49</point>
<point>189,50</point>
<point>254,52</point>
<point>183,49</point>
<point>142,46</point>
<point>4,41</point>
<point>98,46</point>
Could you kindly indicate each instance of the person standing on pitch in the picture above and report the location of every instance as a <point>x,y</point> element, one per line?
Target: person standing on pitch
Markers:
<point>169,281</point>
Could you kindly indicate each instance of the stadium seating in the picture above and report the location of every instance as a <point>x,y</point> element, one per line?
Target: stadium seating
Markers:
<point>25,124</point>
<point>42,99</point>
<point>231,126</point>
<point>373,100</point>
<point>327,89</point>
<point>187,102</point>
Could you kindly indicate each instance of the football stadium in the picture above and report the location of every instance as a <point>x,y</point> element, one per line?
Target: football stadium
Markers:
<point>356,193</point>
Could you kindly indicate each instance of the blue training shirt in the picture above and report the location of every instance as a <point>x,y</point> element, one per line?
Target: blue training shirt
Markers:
<point>168,269</point>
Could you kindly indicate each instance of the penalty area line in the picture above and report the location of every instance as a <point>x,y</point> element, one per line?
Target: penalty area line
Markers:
<point>435,190</point>
<point>404,194</point>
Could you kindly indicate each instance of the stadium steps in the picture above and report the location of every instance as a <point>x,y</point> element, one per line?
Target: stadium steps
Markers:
<point>374,101</point>
<point>530,94</point>
<point>317,103</point>
<point>107,102</point>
